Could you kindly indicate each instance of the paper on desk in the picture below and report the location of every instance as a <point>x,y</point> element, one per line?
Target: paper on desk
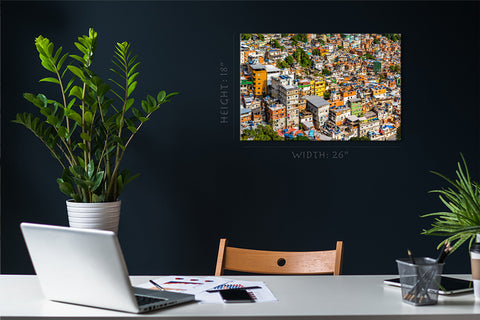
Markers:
<point>260,295</point>
<point>183,284</point>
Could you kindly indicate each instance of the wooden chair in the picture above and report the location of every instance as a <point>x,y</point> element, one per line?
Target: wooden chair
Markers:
<point>279,262</point>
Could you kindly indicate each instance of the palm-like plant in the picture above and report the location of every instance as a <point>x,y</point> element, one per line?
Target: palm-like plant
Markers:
<point>85,132</point>
<point>462,222</point>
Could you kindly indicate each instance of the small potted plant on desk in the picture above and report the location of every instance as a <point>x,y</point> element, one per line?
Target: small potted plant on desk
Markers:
<point>87,131</point>
<point>461,222</point>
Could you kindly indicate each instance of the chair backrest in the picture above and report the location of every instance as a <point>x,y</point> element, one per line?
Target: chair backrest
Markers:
<point>279,262</point>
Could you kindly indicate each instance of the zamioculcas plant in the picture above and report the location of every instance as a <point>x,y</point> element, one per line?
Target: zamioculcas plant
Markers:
<point>91,126</point>
<point>462,222</point>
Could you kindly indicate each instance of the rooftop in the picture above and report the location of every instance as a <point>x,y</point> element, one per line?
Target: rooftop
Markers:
<point>257,66</point>
<point>317,101</point>
<point>277,106</point>
<point>245,111</point>
<point>270,68</point>
<point>290,87</point>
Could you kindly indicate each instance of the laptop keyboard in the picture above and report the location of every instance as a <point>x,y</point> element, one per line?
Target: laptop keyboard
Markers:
<point>142,300</point>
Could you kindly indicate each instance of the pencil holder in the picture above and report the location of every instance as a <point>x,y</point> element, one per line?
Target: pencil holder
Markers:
<point>420,281</point>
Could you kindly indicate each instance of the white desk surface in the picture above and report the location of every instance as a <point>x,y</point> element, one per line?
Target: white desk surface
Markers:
<point>300,297</point>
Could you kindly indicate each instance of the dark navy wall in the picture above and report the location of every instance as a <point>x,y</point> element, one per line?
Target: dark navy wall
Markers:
<point>199,183</point>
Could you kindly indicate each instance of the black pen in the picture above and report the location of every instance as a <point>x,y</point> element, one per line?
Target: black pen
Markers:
<point>245,288</point>
<point>157,285</point>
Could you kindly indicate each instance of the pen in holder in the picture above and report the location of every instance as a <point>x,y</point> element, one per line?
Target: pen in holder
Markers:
<point>420,280</point>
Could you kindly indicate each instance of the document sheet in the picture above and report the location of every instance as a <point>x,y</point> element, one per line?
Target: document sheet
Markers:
<point>199,286</point>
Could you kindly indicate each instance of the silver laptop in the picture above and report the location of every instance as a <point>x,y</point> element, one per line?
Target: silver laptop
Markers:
<point>86,267</point>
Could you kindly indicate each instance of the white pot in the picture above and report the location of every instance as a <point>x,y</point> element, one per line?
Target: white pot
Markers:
<point>99,215</point>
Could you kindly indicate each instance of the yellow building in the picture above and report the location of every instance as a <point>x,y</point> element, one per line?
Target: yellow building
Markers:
<point>317,87</point>
<point>259,78</point>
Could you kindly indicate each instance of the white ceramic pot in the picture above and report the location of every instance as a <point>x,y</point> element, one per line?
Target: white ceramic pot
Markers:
<point>99,215</point>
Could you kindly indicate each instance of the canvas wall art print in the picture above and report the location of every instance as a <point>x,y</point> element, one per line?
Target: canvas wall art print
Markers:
<point>320,87</point>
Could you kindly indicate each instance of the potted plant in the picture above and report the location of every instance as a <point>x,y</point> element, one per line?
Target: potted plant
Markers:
<point>90,127</point>
<point>461,222</point>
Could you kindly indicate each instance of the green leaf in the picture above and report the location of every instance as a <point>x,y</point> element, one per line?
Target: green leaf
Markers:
<point>46,112</point>
<point>81,162</point>
<point>49,80</point>
<point>118,96</point>
<point>72,130</point>
<point>137,113</point>
<point>88,117</point>
<point>131,178</point>
<point>132,77</point>
<point>118,84</point>
<point>78,58</point>
<point>33,99</point>
<point>48,65</point>
<point>132,129</point>
<point>69,83</point>
<point>96,197</point>
<point>50,49</point>
<point>97,180</point>
<point>118,119</point>
<point>132,87</point>
<point>77,71</point>
<point>143,119</point>
<point>66,175</point>
<point>43,99</point>
<point>129,103</point>
<point>57,54</point>
<point>102,89</point>
<point>82,146</point>
<point>110,149</point>
<point>39,44</point>
<point>161,96</point>
<point>171,95</point>
<point>132,70</point>
<point>85,136</point>
<point>145,106</point>
<point>77,171</point>
<point>77,92</point>
<point>74,116</point>
<point>62,60</point>
<point>65,187</point>
<point>62,131</point>
<point>151,101</point>
<point>51,119</point>
<point>84,184</point>
<point>81,47</point>
<point>90,169</point>
<point>71,103</point>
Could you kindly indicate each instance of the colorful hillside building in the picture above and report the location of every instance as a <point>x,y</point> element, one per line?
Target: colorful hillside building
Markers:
<point>319,108</point>
<point>355,107</point>
<point>245,116</point>
<point>317,87</point>
<point>304,87</point>
<point>259,79</point>
<point>289,98</point>
<point>349,95</point>
<point>379,91</point>
<point>337,115</point>
<point>276,116</point>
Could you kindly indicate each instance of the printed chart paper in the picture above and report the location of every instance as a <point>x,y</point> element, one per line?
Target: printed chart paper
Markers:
<point>199,286</point>
<point>259,295</point>
<point>190,285</point>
